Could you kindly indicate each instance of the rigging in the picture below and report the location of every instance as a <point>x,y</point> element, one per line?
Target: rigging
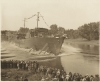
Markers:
<point>37,19</point>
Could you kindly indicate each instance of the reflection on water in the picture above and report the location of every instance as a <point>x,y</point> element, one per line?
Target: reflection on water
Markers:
<point>92,49</point>
<point>84,63</point>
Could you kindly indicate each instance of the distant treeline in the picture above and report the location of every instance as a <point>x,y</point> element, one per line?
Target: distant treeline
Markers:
<point>88,31</point>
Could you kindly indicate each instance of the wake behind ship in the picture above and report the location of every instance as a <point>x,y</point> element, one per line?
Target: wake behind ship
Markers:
<point>37,39</point>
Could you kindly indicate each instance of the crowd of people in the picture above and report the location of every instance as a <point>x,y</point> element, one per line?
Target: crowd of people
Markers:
<point>48,73</point>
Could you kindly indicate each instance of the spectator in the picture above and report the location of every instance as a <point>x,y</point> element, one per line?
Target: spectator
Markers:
<point>42,79</point>
<point>96,78</point>
<point>25,79</point>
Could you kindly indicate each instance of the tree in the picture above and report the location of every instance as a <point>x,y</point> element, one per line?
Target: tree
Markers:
<point>90,31</point>
<point>61,31</point>
<point>73,34</point>
<point>23,30</point>
<point>53,29</point>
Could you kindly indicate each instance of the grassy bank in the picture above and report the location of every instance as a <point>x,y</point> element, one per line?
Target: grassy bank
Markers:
<point>82,41</point>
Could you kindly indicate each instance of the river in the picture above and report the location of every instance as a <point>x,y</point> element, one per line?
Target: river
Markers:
<point>83,59</point>
<point>75,58</point>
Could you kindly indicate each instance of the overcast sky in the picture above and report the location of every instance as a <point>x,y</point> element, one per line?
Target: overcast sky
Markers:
<point>69,14</point>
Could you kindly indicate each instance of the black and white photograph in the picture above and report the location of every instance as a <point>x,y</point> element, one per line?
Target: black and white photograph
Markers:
<point>50,40</point>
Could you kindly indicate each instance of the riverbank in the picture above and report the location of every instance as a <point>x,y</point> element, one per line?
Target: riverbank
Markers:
<point>82,41</point>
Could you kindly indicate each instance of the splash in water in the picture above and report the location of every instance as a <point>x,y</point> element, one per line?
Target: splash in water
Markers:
<point>69,50</point>
<point>15,52</point>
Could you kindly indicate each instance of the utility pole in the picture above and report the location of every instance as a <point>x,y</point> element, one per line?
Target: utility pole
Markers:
<point>37,18</point>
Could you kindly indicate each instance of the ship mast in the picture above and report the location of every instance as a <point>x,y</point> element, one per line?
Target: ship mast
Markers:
<point>24,22</point>
<point>37,18</point>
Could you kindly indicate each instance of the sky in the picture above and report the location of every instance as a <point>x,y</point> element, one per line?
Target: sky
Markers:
<point>69,14</point>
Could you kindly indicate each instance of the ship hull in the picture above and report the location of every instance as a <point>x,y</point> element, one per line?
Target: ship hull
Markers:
<point>48,44</point>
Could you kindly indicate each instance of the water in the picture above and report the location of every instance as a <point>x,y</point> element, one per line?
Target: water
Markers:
<point>82,59</point>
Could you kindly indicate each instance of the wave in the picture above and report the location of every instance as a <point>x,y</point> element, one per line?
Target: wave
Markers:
<point>69,50</point>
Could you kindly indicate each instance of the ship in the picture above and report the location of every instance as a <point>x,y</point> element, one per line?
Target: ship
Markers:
<point>37,39</point>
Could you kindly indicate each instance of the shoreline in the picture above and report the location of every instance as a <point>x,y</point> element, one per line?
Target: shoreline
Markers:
<point>82,41</point>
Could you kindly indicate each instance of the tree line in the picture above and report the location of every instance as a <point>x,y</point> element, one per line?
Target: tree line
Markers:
<point>88,31</point>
